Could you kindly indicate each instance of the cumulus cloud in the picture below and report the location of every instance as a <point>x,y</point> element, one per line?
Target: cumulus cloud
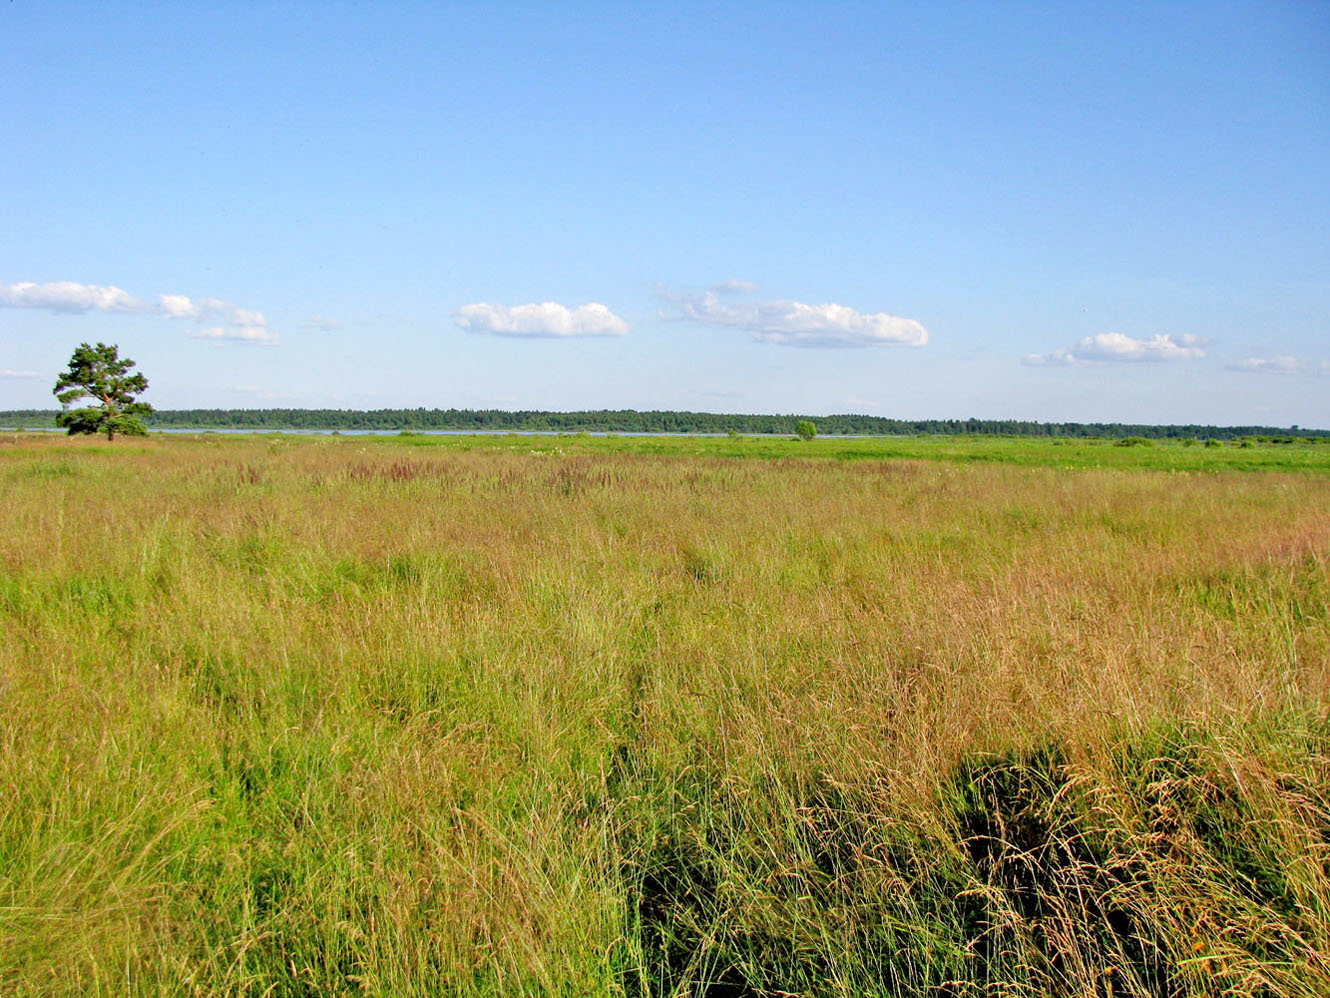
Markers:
<point>794,323</point>
<point>68,296</point>
<point>1112,348</point>
<point>180,307</point>
<point>184,307</point>
<point>73,298</point>
<point>1280,364</point>
<point>546,319</point>
<point>11,375</point>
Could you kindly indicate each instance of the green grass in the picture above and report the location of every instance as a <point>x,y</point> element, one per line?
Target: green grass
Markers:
<point>663,716</point>
<point>1068,453</point>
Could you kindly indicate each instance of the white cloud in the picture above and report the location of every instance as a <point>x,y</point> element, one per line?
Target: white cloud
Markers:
<point>241,334</point>
<point>322,325</point>
<point>1110,348</point>
<point>793,323</point>
<point>74,298</point>
<point>179,307</point>
<point>184,307</point>
<point>545,319</point>
<point>68,296</point>
<point>12,375</point>
<point>1280,364</point>
<point>232,313</point>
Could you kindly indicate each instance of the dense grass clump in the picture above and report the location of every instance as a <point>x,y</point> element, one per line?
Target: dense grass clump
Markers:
<point>586,716</point>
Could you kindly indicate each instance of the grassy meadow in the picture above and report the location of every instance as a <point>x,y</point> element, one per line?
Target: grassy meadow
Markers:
<point>662,717</point>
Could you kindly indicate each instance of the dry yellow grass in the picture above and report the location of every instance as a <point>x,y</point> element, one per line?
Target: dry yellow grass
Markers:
<point>338,716</point>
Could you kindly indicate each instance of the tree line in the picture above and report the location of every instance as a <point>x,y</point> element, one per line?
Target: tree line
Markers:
<point>655,421</point>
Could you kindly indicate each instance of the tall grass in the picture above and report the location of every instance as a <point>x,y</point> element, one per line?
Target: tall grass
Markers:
<point>350,717</point>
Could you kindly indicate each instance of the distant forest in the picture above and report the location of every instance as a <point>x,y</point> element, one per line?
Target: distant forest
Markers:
<point>633,421</point>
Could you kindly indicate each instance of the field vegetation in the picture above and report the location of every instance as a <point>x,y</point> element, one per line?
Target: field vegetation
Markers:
<point>580,716</point>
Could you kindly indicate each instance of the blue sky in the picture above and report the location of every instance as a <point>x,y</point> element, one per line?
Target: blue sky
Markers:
<point>1058,212</point>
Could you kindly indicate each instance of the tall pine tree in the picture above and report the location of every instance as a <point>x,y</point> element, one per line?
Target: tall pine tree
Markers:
<point>100,373</point>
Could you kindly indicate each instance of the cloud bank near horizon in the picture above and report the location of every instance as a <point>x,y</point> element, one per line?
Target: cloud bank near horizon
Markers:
<point>1119,348</point>
<point>794,323</point>
<point>549,320</point>
<point>72,298</point>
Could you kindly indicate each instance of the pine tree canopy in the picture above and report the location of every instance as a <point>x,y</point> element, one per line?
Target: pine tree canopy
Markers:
<point>99,372</point>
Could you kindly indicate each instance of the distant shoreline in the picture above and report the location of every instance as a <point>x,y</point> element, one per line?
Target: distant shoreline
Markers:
<point>644,422</point>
